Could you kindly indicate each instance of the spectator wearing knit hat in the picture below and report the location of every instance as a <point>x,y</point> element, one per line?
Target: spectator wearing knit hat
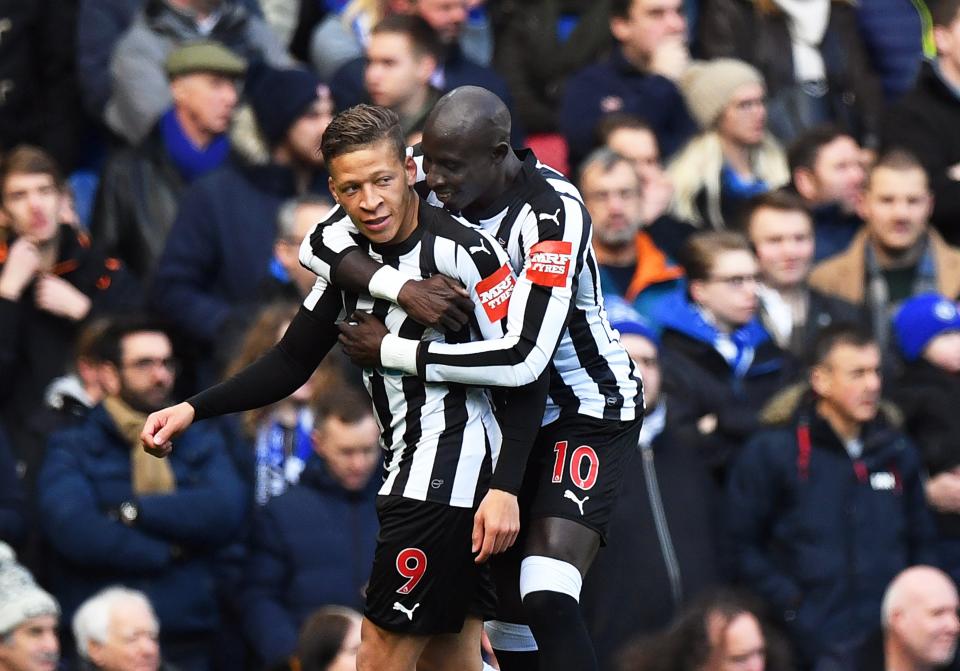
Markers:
<point>219,249</point>
<point>28,619</point>
<point>734,157</point>
<point>140,93</point>
<point>141,186</point>
<point>927,333</point>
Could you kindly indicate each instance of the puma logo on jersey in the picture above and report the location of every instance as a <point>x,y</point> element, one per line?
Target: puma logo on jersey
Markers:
<point>406,611</point>
<point>567,494</point>
<point>555,217</point>
<point>479,248</point>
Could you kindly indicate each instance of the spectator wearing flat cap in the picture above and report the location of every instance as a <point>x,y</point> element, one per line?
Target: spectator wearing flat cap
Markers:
<point>28,619</point>
<point>140,94</point>
<point>927,333</point>
<point>141,186</point>
<point>734,157</point>
<point>219,249</point>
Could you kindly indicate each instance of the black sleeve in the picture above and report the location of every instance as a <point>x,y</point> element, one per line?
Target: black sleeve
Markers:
<point>282,370</point>
<point>519,411</point>
<point>353,270</point>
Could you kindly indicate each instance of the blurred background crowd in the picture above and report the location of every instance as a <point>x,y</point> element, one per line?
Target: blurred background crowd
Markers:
<point>775,194</point>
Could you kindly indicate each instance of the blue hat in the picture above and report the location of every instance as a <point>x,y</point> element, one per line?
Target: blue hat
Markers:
<point>626,320</point>
<point>921,319</point>
<point>279,97</point>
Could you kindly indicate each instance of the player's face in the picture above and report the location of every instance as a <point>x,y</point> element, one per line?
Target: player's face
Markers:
<point>349,450</point>
<point>33,646</point>
<point>839,174</point>
<point>207,98</point>
<point>783,240</point>
<point>744,120</point>
<point>373,185</point>
<point>346,659</point>
<point>729,294</point>
<point>395,72</point>
<point>896,207</point>
<point>614,202</point>
<point>458,170</point>
<point>147,370</point>
<point>848,381</point>
<point>32,201</point>
<point>644,355</point>
<point>639,146</point>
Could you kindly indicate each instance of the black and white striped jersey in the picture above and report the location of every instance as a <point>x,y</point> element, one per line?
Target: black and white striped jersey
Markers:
<point>441,440</point>
<point>556,317</point>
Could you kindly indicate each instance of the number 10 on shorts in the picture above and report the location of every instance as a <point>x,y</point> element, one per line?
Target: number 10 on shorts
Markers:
<point>411,564</point>
<point>584,452</point>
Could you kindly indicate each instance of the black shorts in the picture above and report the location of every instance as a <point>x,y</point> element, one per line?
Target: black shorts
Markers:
<point>576,467</point>
<point>424,580</point>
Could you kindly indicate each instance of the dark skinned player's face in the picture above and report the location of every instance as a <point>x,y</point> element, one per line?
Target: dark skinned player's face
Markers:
<point>459,168</point>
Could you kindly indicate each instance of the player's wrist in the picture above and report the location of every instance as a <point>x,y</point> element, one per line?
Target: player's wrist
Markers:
<point>399,353</point>
<point>386,284</point>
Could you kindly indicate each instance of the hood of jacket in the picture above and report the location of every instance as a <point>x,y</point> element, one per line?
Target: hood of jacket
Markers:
<point>679,314</point>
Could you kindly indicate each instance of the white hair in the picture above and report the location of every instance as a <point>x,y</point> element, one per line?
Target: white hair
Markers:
<point>903,588</point>
<point>92,620</point>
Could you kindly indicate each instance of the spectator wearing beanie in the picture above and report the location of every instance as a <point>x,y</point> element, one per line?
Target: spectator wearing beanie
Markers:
<point>220,246</point>
<point>927,333</point>
<point>734,157</point>
<point>28,619</point>
<point>140,92</point>
<point>141,186</point>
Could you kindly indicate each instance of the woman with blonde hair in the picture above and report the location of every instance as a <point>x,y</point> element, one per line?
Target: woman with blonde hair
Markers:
<point>734,157</point>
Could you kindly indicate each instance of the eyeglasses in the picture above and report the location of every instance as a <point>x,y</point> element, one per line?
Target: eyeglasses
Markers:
<point>146,364</point>
<point>737,281</point>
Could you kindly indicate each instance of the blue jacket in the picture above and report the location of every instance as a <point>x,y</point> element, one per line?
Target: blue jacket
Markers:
<point>617,86</point>
<point>171,551</point>
<point>311,546</point>
<point>820,537</point>
<point>220,246</point>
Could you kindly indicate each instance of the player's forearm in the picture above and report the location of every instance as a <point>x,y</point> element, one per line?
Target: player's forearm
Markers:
<point>357,273</point>
<point>519,412</point>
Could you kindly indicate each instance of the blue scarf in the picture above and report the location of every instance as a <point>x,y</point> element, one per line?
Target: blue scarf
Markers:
<point>190,160</point>
<point>275,469</point>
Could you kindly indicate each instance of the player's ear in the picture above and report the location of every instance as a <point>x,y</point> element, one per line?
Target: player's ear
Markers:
<point>410,166</point>
<point>500,151</point>
<point>333,190</point>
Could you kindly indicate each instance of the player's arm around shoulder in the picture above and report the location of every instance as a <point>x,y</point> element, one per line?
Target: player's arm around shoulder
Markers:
<point>484,269</point>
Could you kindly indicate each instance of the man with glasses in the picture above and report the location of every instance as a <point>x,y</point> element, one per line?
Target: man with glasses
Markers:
<point>114,514</point>
<point>631,264</point>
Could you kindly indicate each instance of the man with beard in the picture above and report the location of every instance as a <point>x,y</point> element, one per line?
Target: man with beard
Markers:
<point>113,514</point>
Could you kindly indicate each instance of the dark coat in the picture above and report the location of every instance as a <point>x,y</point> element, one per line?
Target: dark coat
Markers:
<point>927,396</point>
<point>536,62</point>
<point>100,25</point>
<point>926,122</point>
<point>820,542</point>
<point>655,532</point>
<point>699,382</point>
<point>13,521</point>
<point>136,204</point>
<point>171,551</point>
<point>348,89</point>
<point>892,32</point>
<point>614,85</point>
<point>311,546</point>
<point>737,29</point>
<point>822,311</point>
<point>36,346</point>
<point>39,96</point>
<point>220,246</point>
<point>833,231</point>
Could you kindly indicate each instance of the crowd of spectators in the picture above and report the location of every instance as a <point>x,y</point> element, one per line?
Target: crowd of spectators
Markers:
<point>774,187</point>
